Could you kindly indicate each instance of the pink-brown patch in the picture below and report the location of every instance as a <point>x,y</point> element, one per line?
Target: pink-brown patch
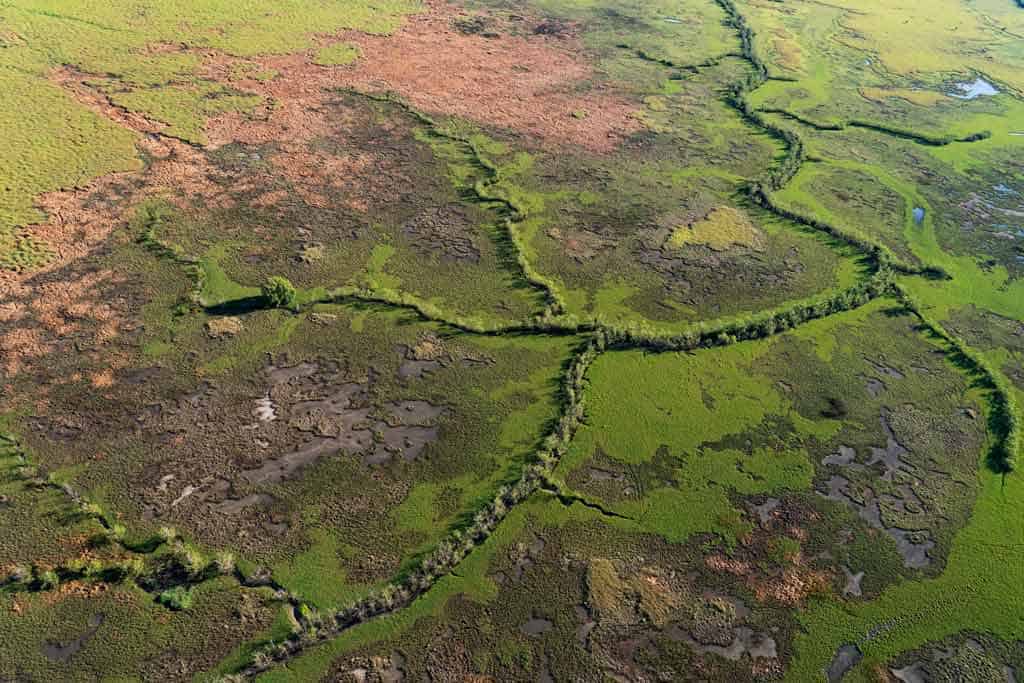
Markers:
<point>269,198</point>
<point>526,83</point>
<point>102,379</point>
<point>535,84</point>
<point>720,563</point>
<point>792,587</point>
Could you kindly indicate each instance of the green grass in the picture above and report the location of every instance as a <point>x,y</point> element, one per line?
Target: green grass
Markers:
<point>316,574</point>
<point>43,34</point>
<point>50,142</point>
<point>337,54</point>
<point>977,591</point>
<point>704,482</point>
<point>681,402</point>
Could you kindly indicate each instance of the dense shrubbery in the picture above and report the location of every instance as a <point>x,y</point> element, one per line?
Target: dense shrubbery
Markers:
<point>451,551</point>
<point>279,292</point>
<point>1004,418</point>
<point>177,598</point>
<point>756,326</point>
<point>920,138</point>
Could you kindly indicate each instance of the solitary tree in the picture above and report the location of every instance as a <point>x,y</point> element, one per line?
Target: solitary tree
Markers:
<point>279,292</point>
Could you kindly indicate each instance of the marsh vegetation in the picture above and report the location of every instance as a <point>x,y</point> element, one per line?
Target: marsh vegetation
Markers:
<point>672,341</point>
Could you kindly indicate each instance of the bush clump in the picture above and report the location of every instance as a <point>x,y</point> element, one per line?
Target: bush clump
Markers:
<point>279,292</point>
<point>176,598</point>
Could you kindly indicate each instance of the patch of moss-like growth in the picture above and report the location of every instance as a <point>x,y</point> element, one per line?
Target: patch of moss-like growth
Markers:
<point>723,227</point>
<point>337,54</point>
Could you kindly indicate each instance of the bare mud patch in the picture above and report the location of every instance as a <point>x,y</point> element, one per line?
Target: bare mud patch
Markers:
<point>846,657</point>
<point>62,652</point>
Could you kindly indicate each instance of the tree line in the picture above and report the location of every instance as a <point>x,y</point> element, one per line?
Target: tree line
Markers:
<point>1004,417</point>
<point>315,627</point>
<point>754,326</point>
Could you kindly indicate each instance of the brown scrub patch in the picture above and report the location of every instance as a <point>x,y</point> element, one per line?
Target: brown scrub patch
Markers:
<point>71,297</point>
<point>52,311</point>
<point>531,82</point>
<point>790,586</point>
<point>305,113</point>
<point>581,245</point>
<point>527,83</point>
<point>772,559</point>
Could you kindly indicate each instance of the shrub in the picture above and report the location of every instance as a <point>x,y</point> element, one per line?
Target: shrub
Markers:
<point>48,579</point>
<point>94,568</point>
<point>177,598</point>
<point>224,563</point>
<point>132,566</point>
<point>189,559</point>
<point>19,574</point>
<point>92,510</point>
<point>279,292</point>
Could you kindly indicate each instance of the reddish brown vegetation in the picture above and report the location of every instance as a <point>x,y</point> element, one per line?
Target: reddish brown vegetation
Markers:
<point>528,83</point>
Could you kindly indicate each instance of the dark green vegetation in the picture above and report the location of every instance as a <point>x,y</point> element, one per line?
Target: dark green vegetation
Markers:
<point>279,292</point>
<point>385,393</point>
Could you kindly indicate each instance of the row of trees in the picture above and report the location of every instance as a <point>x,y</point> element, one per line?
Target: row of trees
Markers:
<point>784,172</point>
<point>512,211</point>
<point>756,326</point>
<point>149,220</point>
<point>425,309</point>
<point>514,214</point>
<point>178,565</point>
<point>1004,417</point>
<point>460,542</point>
<point>920,138</point>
